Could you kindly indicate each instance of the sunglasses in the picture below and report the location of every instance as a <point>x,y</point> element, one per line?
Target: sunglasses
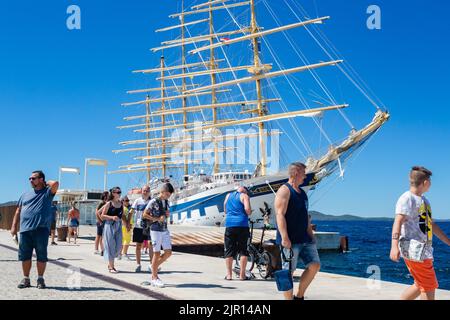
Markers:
<point>118,192</point>
<point>33,178</point>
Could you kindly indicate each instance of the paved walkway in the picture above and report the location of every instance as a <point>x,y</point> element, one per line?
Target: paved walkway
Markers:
<point>186,276</point>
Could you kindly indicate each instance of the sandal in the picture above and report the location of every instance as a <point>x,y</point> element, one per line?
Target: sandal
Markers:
<point>228,279</point>
<point>112,270</point>
<point>246,278</point>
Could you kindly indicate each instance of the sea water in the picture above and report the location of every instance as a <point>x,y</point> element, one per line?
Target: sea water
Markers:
<point>370,245</point>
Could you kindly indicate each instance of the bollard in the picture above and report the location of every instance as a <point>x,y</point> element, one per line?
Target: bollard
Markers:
<point>343,244</point>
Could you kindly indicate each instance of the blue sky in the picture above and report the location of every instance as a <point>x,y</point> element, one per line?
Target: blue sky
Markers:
<point>60,91</point>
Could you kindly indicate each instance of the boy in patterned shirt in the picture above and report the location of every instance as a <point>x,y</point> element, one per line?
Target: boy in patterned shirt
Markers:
<point>157,211</point>
<point>413,222</point>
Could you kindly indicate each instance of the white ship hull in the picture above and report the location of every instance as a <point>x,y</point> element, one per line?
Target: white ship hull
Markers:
<point>207,208</point>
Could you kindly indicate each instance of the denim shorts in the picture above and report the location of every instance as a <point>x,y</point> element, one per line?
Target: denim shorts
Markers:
<point>33,240</point>
<point>307,252</point>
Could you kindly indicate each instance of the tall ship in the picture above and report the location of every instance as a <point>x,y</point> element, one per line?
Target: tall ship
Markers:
<point>237,91</point>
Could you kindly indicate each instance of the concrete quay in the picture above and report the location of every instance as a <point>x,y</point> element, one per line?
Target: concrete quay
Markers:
<point>74,272</point>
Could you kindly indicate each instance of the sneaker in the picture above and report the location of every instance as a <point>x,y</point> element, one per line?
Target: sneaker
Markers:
<point>25,283</point>
<point>54,243</point>
<point>41,283</point>
<point>138,268</point>
<point>158,283</point>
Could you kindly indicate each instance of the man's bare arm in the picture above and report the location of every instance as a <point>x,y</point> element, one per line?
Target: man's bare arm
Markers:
<point>247,205</point>
<point>53,185</point>
<point>281,204</point>
<point>225,204</point>
<point>310,229</point>
<point>15,221</point>
<point>437,231</point>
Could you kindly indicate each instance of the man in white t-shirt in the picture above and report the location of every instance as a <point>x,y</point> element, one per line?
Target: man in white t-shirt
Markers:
<point>137,209</point>
<point>413,221</point>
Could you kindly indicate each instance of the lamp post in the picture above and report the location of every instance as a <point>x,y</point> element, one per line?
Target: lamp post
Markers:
<point>68,170</point>
<point>95,162</point>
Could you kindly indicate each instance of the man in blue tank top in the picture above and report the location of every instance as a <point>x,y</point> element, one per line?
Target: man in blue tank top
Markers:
<point>237,209</point>
<point>294,230</point>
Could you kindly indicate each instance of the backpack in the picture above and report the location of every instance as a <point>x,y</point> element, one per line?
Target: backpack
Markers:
<point>146,224</point>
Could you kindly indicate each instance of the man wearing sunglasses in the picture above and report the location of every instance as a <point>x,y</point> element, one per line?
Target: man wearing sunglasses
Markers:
<point>35,216</point>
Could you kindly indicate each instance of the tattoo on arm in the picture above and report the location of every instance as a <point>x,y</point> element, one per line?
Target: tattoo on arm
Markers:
<point>395,236</point>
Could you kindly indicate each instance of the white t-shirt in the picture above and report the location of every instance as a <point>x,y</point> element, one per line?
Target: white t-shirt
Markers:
<point>415,209</point>
<point>139,207</point>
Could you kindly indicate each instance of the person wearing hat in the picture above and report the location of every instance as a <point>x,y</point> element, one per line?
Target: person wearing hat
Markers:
<point>237,210</point>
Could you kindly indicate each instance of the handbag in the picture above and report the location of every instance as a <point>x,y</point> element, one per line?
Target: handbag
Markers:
<point>414,250</point>
<point>283,278</point>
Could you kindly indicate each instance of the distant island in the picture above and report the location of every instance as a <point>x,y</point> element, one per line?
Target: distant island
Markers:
<point>318,216</point>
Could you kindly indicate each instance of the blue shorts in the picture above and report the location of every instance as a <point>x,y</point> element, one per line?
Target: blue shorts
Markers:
<point>35,239</point>
<point>74,223</point>
<point>307,252</point>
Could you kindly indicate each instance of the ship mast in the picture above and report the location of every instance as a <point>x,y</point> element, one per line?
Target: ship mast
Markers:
<point>257,70</point>
<point>213,82</point>
<point>147,136</point>
<point>163,116</point>
<point>183,85</point>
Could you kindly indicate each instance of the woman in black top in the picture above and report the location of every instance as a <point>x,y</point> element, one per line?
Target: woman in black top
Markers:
<point>112,233</point>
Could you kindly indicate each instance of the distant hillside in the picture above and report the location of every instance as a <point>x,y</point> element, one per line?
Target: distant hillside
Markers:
<point>318,216</point>
<point>10,203</point>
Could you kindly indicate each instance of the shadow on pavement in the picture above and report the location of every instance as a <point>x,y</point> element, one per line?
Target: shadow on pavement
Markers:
<point>84,289</point>
<point>198,285</point>
<point>170,272</point>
